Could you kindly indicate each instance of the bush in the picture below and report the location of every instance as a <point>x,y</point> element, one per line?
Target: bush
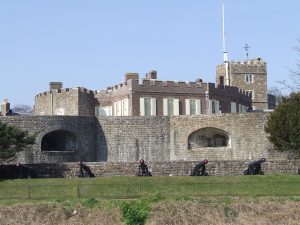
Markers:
<point>90,202</point>
<point>13,140</point>
<point>135,212</point>
<point>283,125</point>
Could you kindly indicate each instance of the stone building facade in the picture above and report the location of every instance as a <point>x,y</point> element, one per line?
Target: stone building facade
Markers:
<point>155,139</point>
<point>249,75</point>
<point>151,97</point>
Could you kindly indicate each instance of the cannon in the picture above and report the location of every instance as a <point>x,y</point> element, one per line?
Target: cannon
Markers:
<point>143,169</point>
<point>85,170</point>
<point>199,169</point>
<point>25,171</point>
<point>254,168</point>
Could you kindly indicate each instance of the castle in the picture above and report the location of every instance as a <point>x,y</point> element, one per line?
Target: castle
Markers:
<point>152,119</point>
<point>152,97</point>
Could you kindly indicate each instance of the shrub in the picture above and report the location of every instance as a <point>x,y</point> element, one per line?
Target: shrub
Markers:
<point>283,124</point>
<point>135,212</point>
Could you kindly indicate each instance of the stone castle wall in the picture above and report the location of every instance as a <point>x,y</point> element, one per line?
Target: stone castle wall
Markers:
<point>133,138</point>
<point>166,168</point>
<point>82,127</point>
<point>127,139</point>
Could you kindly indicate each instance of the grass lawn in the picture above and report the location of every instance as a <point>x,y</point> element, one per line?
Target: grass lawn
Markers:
<point>135,187</point>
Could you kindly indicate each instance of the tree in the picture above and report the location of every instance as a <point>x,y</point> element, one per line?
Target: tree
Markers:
<point>283,125</point>
<point>13,140</point>
<point>276,93</point>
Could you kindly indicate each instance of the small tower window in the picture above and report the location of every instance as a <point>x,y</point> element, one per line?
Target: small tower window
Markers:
<point>249,78</point>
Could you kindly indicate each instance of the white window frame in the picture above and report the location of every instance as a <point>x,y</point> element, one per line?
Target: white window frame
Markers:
<point>175,107</point>
<point>216,108</point>
<point>242,108</point>
<point>121,108</point>
<point>233,107</point>
<point>249,78</point>
<point>252,92</point>
<point>152,106</point>
<point>188,106</point>
<point>103,111</point>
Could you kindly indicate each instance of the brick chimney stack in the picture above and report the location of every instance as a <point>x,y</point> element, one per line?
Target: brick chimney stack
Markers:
<point>55,85</point>
<point>152,74</point>
<point>133,76</point>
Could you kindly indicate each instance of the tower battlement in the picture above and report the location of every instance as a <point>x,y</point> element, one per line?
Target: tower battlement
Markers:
<point>66,91</point>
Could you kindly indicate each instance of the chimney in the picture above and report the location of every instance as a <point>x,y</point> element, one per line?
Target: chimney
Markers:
<point>152,74</point>
<point>132,76</point>
<point>5,108</point>
<point>55,85</point>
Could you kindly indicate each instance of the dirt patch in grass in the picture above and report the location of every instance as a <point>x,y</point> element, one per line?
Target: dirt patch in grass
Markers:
<point>263,212</point>
<point>47,214</point>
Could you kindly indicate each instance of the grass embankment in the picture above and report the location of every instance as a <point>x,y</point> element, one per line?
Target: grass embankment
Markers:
<point>272,199</point>
<point>135,187</point>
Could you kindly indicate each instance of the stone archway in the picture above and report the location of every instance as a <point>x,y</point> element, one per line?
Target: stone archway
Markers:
<point>208,137</point>
<point>59,140</point>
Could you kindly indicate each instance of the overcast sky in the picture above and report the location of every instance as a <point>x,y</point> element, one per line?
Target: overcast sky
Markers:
<point>93,43</point>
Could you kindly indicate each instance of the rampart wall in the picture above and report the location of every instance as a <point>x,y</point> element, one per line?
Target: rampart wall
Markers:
<point>166,168</point>
<point>82,127</point>
<point>127,139</point>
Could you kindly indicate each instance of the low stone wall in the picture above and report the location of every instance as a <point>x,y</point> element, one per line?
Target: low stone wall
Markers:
<point>178,168</point>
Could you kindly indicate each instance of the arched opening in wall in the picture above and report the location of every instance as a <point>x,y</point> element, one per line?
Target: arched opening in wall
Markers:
<point>208,137</point>
<point>59,140</point>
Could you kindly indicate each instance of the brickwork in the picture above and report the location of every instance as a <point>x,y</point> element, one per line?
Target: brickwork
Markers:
<point>166,168</point>
<point>133,138</point>
<point>69,101</point>
<point>80,101</point>
<point>82,127</point>
<point>127,139</point>
<point>238,70</point>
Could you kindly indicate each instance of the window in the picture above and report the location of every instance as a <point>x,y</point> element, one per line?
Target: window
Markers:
<point>252,94</point>
<point>214,107</point>
<point>221,78</point>
<point>233,107</point>
<point>249,78</point>
<point>242,108</point>
<point>121,108</point>
<point>103,111</point>
<point>171,107</point>
<point>192,107</point>
<point>148,106</point>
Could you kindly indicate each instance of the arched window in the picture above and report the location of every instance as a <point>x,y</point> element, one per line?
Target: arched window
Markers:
<point>208,137</point>
<point>59,140</point>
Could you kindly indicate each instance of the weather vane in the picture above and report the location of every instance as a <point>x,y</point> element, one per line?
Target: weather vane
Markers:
<point>246,47</point>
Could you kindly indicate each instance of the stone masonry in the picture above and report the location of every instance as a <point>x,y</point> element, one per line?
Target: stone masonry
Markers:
<point>238,71</point>
<point>155,139</point>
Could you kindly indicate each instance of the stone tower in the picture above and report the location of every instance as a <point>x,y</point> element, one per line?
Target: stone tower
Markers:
<point>249,75</point>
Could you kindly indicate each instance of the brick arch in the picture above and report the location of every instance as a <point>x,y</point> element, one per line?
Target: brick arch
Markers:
<point>59,140</point>
<point>208,137</point>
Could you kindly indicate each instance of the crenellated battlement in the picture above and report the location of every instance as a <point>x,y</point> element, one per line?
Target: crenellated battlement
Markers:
<point>257,62</point>
<point>246,66</point>
<point>66,91</point>
<point>228,89</point>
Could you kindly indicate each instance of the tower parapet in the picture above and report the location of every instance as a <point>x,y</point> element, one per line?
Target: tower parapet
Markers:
<point>249,75</point>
